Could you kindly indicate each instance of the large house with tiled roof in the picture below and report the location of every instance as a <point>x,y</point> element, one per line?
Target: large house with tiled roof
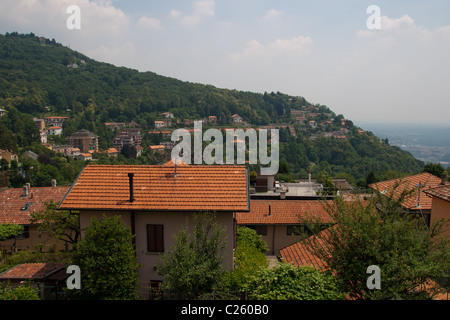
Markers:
<point>156,200</point>
<point>440,206</point>
<point>16,207</point>
<point>417,202</point>
<point>279,221</point>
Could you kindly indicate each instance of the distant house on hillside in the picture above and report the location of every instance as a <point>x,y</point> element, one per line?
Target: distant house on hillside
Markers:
<point>112,152</point>
<point>2,112</point>
<point>40,123</point>
<point>299,120</point>
<point>236,119</point>
<point>157,148</point>
<point>85,156</point>
<point>8,155</point>
<point>212,119</point>
<point>167,115</point>
<point>84,140</point>
<point>115,125</point>
<point>54,121</point>
<point>159,124</point>
<point>54,131</point>
<point>128,136</point>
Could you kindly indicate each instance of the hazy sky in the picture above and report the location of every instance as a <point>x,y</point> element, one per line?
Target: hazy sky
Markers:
<point>321,50</point>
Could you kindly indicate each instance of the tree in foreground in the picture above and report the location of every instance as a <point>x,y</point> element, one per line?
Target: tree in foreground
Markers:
<point>379,232</point>
<point>249,258</point>
<point>9,230</point>
<point>193,267</point>
<point>59,224</point>
<point>288,282</point>
<point>107,261</point>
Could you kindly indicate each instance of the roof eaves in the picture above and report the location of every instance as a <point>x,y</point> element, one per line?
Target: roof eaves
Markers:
<point>68,191</point>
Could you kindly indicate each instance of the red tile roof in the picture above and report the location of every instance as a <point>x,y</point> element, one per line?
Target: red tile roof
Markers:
<point>282,211</point>
<point>301,254</point>
<point>31,271</point>
<point>442,192</point>
<point>426,181</point>
<point>156,188</point>
<point>12,200</point>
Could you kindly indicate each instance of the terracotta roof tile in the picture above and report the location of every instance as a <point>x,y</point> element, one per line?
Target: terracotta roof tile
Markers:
<point>31,271</point>
<point>156,188</point>
<point>442,192</point>
<point>282,211</point>
<point>426,180</point>
<point>300,254</point>
<point>12,201</point>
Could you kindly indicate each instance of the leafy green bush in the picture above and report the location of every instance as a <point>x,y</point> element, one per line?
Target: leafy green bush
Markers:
<point>287,282</point>
<point>250,237</point>
<point>23,292</point>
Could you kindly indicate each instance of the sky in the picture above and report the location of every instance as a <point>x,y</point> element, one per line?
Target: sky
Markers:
<point>332,53</point>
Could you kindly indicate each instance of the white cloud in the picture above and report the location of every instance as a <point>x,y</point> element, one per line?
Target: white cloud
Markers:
<point>200,9</point>
<point>150,23</point>
<point>395,24</point>
<point>99,19</point>
<point>297,46</point>
<point>176,14</point>
<point>272,14</point>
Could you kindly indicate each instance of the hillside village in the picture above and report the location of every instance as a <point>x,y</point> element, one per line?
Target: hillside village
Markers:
<point>62,168</point>
<point>84,144</point>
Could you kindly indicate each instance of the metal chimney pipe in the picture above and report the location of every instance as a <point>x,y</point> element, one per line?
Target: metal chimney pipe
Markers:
<point>130,177</point>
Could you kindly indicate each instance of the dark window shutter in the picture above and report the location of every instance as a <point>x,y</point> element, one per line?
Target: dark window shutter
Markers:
<point>155,238</point>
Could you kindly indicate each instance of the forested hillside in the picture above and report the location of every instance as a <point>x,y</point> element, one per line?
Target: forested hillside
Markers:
<point>40,77</point>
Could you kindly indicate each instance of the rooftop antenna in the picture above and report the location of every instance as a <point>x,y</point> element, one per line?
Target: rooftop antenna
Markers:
<point>175,162</point>
<point>418,203</point>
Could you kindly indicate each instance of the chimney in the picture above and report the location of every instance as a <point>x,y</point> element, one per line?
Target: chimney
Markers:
<point>443,180</point>
<point>53,183</point>
<point>26,191</point>
<point>130,177</point>
<point>270,210</point>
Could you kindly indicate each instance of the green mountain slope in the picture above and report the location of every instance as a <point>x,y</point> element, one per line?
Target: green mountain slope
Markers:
<point>38,78</point>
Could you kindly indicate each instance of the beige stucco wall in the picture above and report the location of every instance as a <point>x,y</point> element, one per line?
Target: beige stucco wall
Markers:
<point>440,209</point>
<point>37,241</point>
<point>277,238</point>
<point>172,222</point>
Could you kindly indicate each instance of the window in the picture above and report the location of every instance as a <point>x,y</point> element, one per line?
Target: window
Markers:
<point>305,230</point>
<point>260,229</point>
<point>25,206</point>
<point>155,238</point>
<point>25,234</point>
<point>298,230</point>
